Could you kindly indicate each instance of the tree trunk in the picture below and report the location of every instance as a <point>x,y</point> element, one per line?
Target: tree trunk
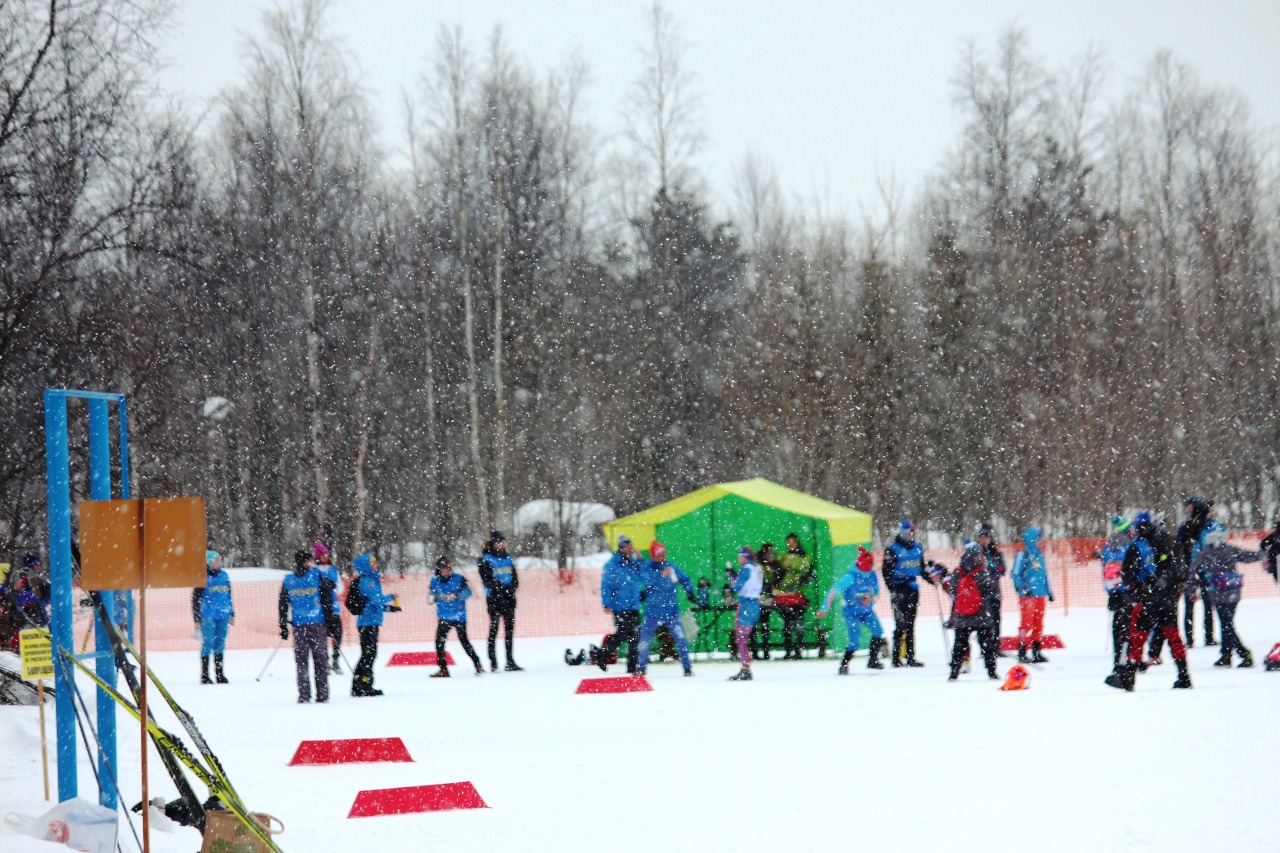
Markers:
<point>362,416</point>
<point>499,398</point>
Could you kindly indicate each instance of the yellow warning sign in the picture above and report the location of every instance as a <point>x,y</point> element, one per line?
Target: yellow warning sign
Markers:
<point>37,653</point>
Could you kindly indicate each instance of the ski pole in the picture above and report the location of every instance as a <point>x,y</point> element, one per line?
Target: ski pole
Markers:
<point>942,622</point>
<point>270,659</point>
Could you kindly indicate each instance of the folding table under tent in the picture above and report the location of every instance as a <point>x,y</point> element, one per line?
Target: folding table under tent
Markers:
<point>704,529</point>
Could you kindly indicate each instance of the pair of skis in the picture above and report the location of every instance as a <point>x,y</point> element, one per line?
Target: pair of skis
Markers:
<point>172,750</point>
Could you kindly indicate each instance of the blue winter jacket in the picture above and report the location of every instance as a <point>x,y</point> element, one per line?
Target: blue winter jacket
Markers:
<point>1029,576</point>
<point>303,597</point>
<point>856,585</point>
<point>903,563</point>
<point>454,610</point>
<point>371,586</point>
<point>216,602</point>
<point>621,582</point>
<point>662,595</point>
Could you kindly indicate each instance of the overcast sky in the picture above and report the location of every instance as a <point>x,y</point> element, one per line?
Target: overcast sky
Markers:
<point>833,93</point>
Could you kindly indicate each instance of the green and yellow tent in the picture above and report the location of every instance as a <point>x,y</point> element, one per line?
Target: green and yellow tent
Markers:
<point>703,531</point>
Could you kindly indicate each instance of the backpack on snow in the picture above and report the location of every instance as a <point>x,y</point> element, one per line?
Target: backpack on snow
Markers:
<point>356,600</point>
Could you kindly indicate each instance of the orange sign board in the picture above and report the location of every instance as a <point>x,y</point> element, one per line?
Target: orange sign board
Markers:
<point>116,537</point>
<point>111,544</point>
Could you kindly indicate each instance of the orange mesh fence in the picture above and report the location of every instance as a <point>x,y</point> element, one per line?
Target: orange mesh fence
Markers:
<point>567,602</point>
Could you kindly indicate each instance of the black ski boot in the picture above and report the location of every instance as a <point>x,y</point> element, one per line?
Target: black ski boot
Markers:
<point>1225,659</point>
<point>955,673</point>
<point>844,663</point>
<point>442,672</point>
<point>744,674</point>
<point>204,670</point>
<point>911,648</point>
<point>1124,677</point>
<point>874,661</point>
<point>1184,677</point>
<point>575,661</point>
<point>337,661</point>
<point>217,670</point>
<point>512,666</point>
<point>1036,657</point>
<point>1022,653</point>
<point>1246,659</point>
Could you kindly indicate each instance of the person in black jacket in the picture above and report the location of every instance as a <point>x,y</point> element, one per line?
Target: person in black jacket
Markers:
<point>970,586</point>
<point>500,580</point>
<point>1156,580</point>
<point>1270,548</point>
<point>998,569</point>
<point>1187,544</point>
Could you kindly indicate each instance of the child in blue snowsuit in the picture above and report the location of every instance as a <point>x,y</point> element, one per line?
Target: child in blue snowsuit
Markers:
<point>450,592</point>
<point>662,606</point>
<point>860,589</point>
<point>213,611</point>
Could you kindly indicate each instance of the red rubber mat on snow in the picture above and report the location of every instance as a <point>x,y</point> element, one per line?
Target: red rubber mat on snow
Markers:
<point>418,659</point>
<point>354,751</point>
<point>420,798</point>
<point>1047,641</point>
<point>617,684</point>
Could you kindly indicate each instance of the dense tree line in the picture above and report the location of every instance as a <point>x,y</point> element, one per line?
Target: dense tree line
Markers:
<point>1078,313</point>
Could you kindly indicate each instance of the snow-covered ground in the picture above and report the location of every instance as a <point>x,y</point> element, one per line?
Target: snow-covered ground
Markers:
<point>797,759</point>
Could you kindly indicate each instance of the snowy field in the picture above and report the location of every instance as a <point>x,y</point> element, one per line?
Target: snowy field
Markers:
<point>798,759</point>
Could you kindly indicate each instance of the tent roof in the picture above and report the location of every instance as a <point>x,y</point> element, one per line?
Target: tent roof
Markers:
<point>847,526</point>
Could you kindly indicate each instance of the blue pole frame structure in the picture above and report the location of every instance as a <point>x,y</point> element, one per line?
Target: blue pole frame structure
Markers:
<point>58,469</point>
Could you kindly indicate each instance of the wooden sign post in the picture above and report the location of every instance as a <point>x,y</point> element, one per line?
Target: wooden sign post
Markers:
<point>136,544</point>
<point>36,648</point>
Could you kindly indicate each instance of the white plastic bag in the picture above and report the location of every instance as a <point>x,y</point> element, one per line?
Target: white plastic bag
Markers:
<point>79,824</point>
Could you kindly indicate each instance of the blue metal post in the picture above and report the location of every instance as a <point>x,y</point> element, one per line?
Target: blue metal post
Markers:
<point>123,412</point>
<point>100,490</point>
<point>58,471</point>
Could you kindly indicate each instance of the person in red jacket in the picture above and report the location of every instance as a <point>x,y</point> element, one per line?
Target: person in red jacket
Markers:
<point>971,584</point>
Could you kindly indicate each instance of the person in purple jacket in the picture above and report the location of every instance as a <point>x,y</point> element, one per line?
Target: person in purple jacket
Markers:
<point>860,589</point>
<point>1216,562</point>
<point>449,592</point>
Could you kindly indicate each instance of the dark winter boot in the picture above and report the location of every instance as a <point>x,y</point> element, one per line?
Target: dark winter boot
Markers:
<point>1209,640</point>
<point>1184,677</point>
<point>874,661</point>
<point>337,661</point>
<point>1246,659</point>
<point>1124,677</point>
<point>204,670</point>
<point>513,667</point>
<point>955,673</point>
<point>1225,659</point>
<point>1022,653</point>
<point>896,658</point>
<point>744,674</point>
<point>844,663</point>
<point>1036,657</point>
<point>217,669</point>
<point>442,672</point>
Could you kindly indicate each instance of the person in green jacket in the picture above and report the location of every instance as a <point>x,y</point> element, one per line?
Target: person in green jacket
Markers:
<point>788,595</point>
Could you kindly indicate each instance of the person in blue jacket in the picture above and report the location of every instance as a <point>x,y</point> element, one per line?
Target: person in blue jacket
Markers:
<point>747,583</point>
<point>449,592</point>
<point>860,589</point>
<point>662,581</point>
<point>213,610</point>
<point>1118,598</point>
<point>903,567</point>
<point>620,586</point>
<point>305,598</point>
<point>368,623</point>
<point>1031,580</point>
<point>500,579</point>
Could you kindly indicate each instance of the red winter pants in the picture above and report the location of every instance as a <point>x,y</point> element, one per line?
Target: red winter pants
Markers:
<point>1032,625</point>
<point>1138,638</point>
